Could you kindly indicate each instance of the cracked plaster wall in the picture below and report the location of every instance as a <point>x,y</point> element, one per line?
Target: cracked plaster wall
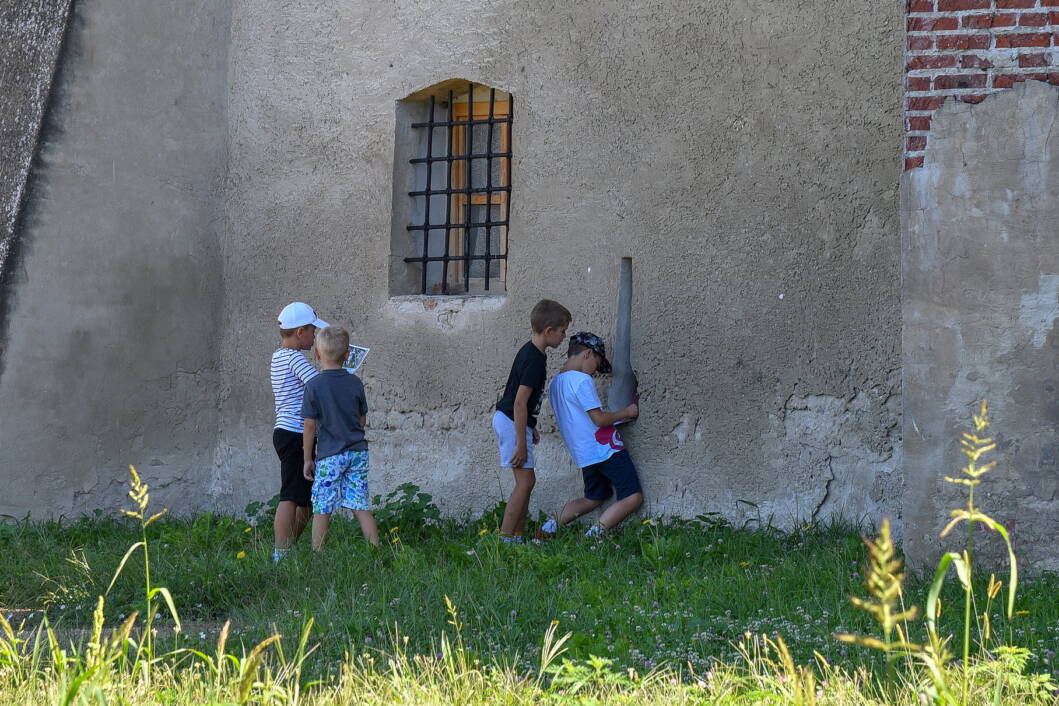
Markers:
<point>844,451</point>
<point>111,341</point>
<point>981,269</point>
<point>747,163</point>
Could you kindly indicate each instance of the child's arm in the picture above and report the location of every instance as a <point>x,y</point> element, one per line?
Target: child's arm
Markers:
<point>302,369</point>
<point>308,441</point>
<point>605,419</point>
<point>521,414</point>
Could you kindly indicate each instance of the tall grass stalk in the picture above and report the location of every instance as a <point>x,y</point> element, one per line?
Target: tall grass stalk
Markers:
<point>885,581</point>
<point>140,495</point>
<point>975,447</point>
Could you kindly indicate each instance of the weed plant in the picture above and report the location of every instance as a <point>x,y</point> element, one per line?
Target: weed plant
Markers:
<point>1004,663</point>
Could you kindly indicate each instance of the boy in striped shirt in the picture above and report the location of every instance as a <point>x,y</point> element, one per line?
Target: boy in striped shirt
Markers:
<point>290,371</point>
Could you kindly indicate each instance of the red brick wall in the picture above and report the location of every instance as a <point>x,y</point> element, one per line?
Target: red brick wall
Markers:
<point>967,49</point>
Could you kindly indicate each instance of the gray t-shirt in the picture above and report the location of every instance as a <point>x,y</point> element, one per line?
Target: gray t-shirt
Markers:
<point>335,399</point>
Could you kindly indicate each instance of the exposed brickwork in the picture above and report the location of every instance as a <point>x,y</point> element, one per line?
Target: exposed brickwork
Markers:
<point>968,49</point>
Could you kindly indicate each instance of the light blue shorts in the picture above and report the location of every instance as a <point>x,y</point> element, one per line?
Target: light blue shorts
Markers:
<point>341,480</point>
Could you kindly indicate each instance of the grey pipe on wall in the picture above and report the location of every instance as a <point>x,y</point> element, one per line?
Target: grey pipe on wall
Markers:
<point>623,386</point>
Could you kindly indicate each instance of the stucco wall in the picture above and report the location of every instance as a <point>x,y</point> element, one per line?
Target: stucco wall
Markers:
<point>114,303</point>
<point>746,156</point>
<point>981,273</point>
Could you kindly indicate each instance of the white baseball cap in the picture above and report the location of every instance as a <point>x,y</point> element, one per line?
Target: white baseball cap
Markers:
<point>298,314</point>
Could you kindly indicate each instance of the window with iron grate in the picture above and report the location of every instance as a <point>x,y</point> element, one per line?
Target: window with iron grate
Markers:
<point>454,211</point>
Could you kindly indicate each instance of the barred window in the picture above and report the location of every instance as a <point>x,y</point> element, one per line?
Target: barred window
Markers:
<point>456,224</point>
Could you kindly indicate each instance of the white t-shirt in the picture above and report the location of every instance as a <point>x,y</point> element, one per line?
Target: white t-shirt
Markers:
<point>290,372</point>
<point>571,395</point>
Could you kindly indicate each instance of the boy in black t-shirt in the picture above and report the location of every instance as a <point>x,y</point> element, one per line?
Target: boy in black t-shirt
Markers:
<point>515,419</point>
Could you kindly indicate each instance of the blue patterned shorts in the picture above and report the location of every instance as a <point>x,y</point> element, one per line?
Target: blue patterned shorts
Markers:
<point>341,480</point>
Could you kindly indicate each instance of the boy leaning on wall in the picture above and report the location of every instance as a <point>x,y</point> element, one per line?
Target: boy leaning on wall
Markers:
<point>290,371</point>
<point>592,439</point>
<point>515,419</point>
<point>335,446</point>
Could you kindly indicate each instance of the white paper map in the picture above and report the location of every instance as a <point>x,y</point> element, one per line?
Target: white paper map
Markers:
<point>355,358</point>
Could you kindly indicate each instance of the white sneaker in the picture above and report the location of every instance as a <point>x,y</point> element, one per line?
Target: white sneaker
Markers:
<point>550,527</point>
<point>594,532</point>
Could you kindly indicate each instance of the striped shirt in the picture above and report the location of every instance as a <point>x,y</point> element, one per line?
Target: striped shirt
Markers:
<point>290,372</point>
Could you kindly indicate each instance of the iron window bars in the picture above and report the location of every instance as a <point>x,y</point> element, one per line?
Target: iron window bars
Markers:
<point>477,193</point>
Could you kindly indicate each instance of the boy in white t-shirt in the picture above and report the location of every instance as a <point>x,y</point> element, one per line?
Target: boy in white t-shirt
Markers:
<point>290,371</point>
<point>591,438</point>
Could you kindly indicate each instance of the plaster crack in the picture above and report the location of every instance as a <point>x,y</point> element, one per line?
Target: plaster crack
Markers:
<point>1051,129</point>
<point>827,490</point>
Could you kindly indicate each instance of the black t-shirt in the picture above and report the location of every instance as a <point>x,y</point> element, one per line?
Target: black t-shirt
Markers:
<point>530,369</point>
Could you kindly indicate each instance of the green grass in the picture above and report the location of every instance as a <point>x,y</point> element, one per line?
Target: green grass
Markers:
<point>681,594</point>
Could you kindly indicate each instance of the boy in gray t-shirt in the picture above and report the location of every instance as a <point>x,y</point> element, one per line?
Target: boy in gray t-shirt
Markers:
<point>335,411</point>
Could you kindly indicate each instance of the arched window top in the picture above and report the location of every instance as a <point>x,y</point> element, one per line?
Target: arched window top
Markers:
<point>460,88</point>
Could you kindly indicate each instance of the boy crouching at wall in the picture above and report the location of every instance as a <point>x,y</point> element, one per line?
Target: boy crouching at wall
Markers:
<point>335,411</point>
<point>590,436</point>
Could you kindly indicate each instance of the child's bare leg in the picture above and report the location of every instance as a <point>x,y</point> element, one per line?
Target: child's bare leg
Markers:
<point>302,517</point>
<point>577,507</point>
<point>617,512</point>
<point>321,523</point>
<point>518,504</point>
<point>368,526</point>
<point>285,527</point>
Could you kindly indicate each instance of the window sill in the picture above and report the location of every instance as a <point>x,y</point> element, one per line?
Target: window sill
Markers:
<point>446,311</point>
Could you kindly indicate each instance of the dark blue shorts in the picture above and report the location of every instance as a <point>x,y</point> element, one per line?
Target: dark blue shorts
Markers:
<point>617,472</point>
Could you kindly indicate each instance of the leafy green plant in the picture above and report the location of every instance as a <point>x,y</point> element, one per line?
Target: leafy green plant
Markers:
<point>572,677</point>
<point>261,511</point>
<point>405,507</point>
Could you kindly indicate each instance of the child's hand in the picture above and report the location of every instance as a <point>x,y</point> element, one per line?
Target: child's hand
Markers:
<point>309,470</point>
<point>536,436</point>
<point>518,460</point>
<point>632,411</point>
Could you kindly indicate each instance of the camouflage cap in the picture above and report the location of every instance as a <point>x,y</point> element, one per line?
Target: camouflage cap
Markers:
<point>595,343</point>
